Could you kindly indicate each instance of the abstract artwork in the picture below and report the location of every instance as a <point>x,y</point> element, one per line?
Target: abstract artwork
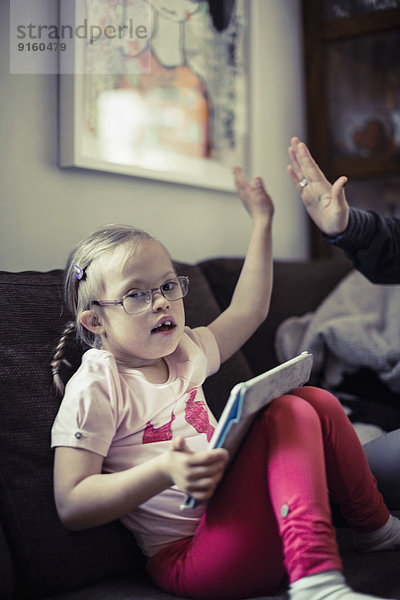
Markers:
<point>159,89</point>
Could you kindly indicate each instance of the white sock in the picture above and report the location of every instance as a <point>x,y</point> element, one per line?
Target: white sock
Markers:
<point>386,537</point>
<point>328,585</point>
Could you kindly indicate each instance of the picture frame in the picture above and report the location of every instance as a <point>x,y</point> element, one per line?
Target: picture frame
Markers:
<point>152,107</point>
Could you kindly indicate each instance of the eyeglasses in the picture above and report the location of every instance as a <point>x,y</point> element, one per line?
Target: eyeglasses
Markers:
<point>137,301</point>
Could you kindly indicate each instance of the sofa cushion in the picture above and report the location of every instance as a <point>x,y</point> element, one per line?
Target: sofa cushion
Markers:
<point>47,557</point>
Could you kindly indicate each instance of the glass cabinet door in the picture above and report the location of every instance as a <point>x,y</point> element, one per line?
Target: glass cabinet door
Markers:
<point>352,66</point>
<point>363,92</point>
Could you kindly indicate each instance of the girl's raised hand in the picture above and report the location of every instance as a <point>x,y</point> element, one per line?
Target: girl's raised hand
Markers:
<point>195,473</point>
<point>254,197</point>
<point>325,203</point>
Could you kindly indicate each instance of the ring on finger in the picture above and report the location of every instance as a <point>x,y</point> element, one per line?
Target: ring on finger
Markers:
<point>303,182</point>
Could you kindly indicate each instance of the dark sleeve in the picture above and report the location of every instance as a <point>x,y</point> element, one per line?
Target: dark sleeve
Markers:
<point>372,243</point>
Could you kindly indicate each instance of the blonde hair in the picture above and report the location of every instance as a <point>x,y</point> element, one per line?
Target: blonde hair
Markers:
<point>83,282</point>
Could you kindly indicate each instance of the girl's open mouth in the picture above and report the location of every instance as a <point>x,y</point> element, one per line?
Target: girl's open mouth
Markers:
<point>164,327</point>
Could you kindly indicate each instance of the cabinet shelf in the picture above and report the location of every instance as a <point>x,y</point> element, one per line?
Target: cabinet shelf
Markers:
<point>358,167</point>
<point>362,25</point>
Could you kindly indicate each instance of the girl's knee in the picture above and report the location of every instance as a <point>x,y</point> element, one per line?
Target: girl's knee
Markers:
<point>312,403</point>
<point>322,400</point>
<point>291,407</point>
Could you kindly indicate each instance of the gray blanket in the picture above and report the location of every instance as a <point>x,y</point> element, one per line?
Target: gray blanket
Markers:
<point>358,325</point>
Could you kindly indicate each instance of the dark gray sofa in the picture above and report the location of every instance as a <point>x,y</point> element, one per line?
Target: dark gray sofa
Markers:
<point>38,557</point>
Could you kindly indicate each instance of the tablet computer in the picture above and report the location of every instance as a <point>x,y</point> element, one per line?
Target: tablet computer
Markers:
<point>248,398</point>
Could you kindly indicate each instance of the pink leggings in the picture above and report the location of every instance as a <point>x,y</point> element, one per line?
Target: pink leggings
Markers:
<point>271,515</point>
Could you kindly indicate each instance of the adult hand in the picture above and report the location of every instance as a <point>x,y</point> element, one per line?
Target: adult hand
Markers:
<point>325,203</point>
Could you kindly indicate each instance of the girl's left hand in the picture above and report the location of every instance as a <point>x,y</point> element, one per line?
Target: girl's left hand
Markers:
<point>195,473</point>
<point>254,197</point>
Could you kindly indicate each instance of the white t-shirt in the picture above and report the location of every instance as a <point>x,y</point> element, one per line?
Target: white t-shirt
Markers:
<point>116,412</point>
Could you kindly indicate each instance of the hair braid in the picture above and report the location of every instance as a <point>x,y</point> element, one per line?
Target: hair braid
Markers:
<point>59,358</point>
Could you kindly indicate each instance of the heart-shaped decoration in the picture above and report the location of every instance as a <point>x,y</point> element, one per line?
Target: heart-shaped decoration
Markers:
<point>373,137</point>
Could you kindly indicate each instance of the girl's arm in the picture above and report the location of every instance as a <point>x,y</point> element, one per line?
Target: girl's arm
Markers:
<point>250,301</point>
<point>86,497</point>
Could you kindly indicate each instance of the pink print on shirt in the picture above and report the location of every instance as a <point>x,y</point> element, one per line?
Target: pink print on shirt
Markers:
<point>158,434</point>
<point>196,415</point>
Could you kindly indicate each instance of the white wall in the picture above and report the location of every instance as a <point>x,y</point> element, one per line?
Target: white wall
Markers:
<point>45,210</point>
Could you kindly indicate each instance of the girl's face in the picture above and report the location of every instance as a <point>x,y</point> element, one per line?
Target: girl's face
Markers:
<point>135,339</point>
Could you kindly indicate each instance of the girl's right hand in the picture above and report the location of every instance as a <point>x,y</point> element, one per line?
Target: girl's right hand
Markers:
<point>254,197</point>
<point>195,473</point>
<point>325,203</point>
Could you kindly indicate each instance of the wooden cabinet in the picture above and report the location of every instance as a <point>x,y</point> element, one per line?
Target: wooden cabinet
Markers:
<point>352,70</point>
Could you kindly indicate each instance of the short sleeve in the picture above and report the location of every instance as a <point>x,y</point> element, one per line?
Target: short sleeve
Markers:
<point>204,338</point>
<point>88,413</point>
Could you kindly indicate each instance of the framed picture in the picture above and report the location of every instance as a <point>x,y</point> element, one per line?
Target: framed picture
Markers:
<point>155,88</point>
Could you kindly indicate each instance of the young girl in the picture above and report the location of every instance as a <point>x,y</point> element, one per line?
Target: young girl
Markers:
<point>132,431</point>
